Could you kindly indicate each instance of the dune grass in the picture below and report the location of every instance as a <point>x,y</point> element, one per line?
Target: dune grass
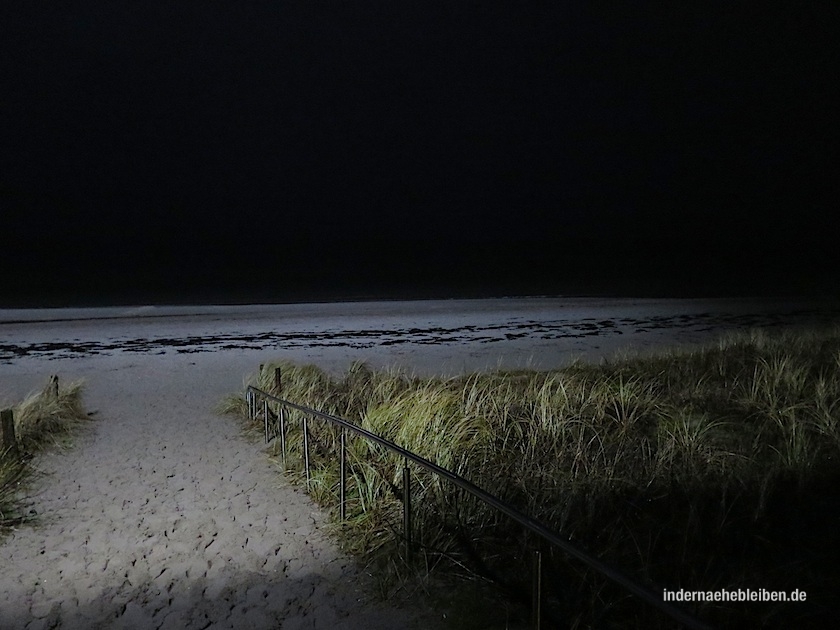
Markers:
<point>697,469</point>
<point>42,420</point>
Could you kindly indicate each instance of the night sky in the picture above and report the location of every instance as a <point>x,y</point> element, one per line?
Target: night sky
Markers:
<point>252,151</point>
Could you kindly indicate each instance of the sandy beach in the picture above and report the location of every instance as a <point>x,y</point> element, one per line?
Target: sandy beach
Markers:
<point>163,515</point>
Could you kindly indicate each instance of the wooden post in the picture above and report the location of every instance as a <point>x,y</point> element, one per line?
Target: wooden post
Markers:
<point>407,509</point>
<point>8,441</point>
<point>54,384</point>
<point>306,451</point>
<point>536,590</point>
<point>283,434</point>
<point>342,476</point>
<point>265,418</point>
<point>277,381</point>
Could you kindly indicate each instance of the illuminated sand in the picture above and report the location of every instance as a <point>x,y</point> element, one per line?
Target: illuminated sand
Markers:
<point>164,516</point>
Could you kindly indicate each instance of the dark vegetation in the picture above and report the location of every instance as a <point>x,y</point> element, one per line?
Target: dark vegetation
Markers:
<point>715,468</point>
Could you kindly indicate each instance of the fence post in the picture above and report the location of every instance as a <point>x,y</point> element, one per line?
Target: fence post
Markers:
<point>277,382</point>
<point>306,451</point>
<point>342,510</point>
<point>536,590</point>
<point>54,384</point>
<point>265,418</point>
<point>282,412</point>
<point>407,508</point>
<point>8,441</point>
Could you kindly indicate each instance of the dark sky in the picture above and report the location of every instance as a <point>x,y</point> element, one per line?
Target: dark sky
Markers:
<point>249,151</point>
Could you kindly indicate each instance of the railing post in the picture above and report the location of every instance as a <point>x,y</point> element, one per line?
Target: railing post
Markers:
<point>8,441</point>
<point>306,451</point>
<point>265,418</point>
<point>536,590</point>
<point>283,433</point>
<point>277,382</point>
<point>407,508</point>
<point>342,477</point>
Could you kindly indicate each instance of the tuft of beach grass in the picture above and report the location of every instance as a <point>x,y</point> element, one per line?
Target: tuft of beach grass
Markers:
<point>696,469</point>
<point>46,419</point>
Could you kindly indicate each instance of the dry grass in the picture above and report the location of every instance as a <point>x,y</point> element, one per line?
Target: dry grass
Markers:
<point>695,469</point>
<point>43,420</point>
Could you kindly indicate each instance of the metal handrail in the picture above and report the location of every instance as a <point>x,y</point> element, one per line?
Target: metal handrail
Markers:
<point>523,519</point>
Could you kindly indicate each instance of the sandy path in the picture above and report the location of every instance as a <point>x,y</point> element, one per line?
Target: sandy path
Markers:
<point>163,516</point>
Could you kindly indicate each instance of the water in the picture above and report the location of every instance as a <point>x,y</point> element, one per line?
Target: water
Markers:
<point>442,336</point>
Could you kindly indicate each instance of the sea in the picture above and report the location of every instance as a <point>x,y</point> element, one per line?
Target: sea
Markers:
<point>443,337</point>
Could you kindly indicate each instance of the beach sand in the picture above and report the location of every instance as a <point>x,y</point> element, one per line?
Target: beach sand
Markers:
<point>162,515</point>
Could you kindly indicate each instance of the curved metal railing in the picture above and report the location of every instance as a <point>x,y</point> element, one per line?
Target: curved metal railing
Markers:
<point>654,599</point>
